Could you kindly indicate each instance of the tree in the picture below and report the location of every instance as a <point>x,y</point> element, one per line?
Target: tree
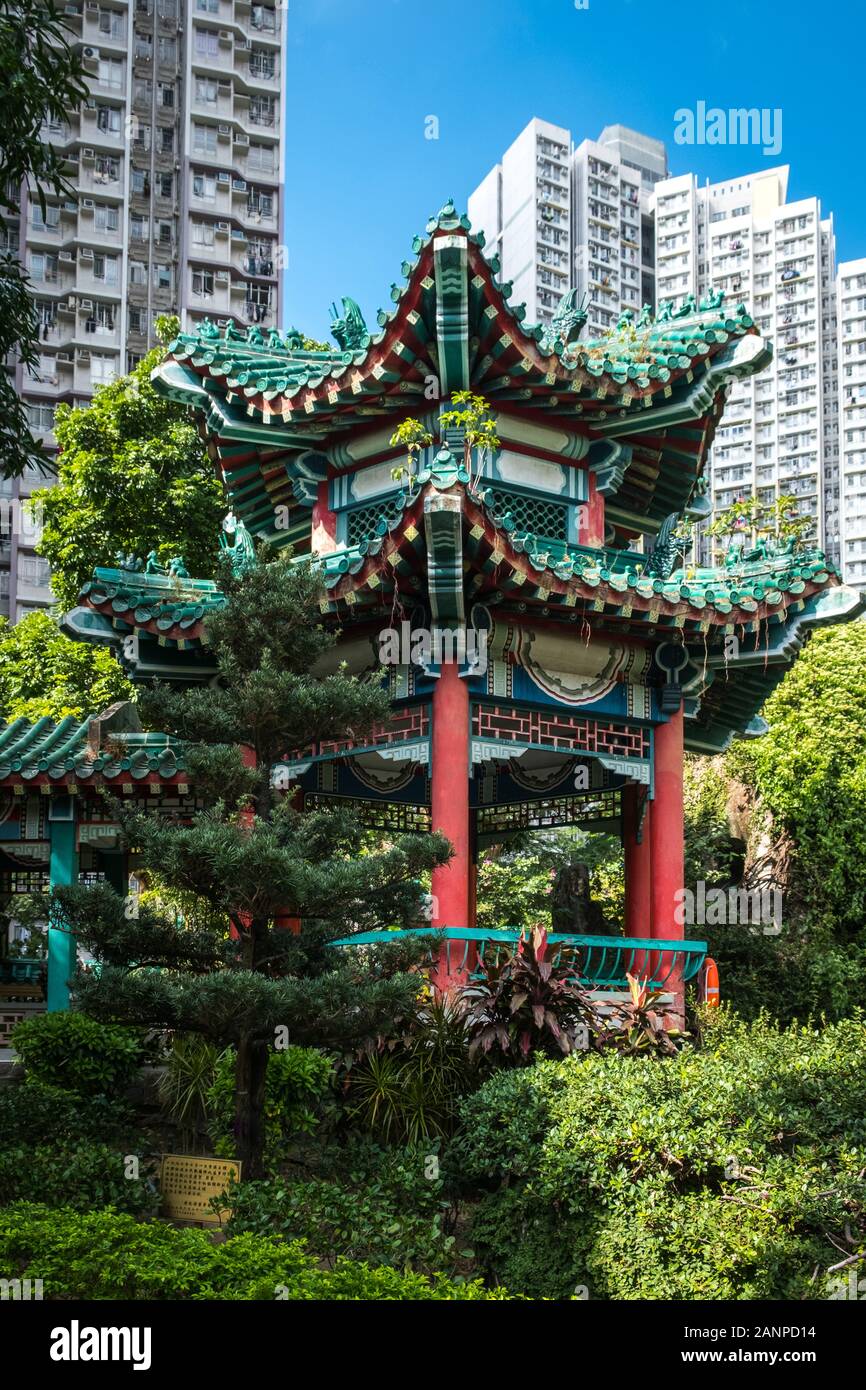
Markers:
<point>41,79</point>
<point>251,856</point>
<point>133,477</point>
<point>42,672</point>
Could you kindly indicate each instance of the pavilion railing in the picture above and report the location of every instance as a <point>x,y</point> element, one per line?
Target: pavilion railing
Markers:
<point>602,962</point>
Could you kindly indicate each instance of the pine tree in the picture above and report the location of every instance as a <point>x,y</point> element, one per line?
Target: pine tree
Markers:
<point>251,857</point>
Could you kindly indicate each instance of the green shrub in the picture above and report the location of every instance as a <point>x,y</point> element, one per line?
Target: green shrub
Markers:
<point>382,1207</point>
<point>105,1255</point>
<point>298,1079</point>
<point>732,1172</point>
<point>80,1175</point>
<point>78,1053</point>
<point>33,1113</point>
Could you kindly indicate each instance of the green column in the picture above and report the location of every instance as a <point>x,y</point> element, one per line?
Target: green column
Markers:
<point>63,869</point>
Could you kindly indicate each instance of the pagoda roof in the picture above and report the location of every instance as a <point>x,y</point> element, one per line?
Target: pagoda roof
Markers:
<point>79,752</point>
<point>647,395</point>
<point>445,544</point>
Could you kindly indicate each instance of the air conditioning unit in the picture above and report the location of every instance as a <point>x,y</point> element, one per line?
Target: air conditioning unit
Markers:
<point>225,131</point>
<point>88,155</point>
<point>222,228</point>
<point>224,178</point>
<point>241,139</point>
<point>66,256</point>
<point>225,36</point>
<point>87,205</point>
<point>70,207</point>
<point>83,355</point>
<point>239,185</point>
<point>86,253</point>
<point>64,357</point>
<point>91,55</point>
<point>244,44</point>
<point>86,306</point>
<point>221,277</point>
<point>90,104</point>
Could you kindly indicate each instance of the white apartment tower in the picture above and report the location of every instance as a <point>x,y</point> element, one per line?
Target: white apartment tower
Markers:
<point>780,431</point>
<point>177,160</point>
<point>851,336</point>
<point>562,217</point>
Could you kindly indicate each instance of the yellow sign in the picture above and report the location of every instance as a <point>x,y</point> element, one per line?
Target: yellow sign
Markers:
<point>188,1184</point>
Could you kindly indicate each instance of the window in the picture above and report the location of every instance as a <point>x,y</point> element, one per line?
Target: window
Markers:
<point>162,277</point>
<point>49,220</point>
<point>140,182</point>
<point>137,319</point>
<point>143,48</point>
<point>208,6</point>
<point>106,169</point>
<point>142,91</point>
<point>108,119</point>
<point>168,9</point>
<point>103,368</point>
<point>202,283</point>
<point>262,110</point>
<point>202,234</point>
<point>105,219</point>
<point>43,266</point>
<point>207,43</point>
<point>261,157</point>
<point>164,185</point>
<point>141,135</point>
<point>264,17</point>
<point>262,63</point>
<point>40,415</point>
<point>110,72</point>
<point>105,269</point>
<point>137,273</point>
<point>112,24</point>
<point>166,139</point>
<point>132,360</point>
<point>167,51</point>
<point>260,204</point>
<point>204,186</point>
<point>204,138</point>
<point>102,319</point>
<point>206,91</point>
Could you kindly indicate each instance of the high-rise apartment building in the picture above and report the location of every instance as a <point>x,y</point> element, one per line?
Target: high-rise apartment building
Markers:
<point>851,339</point>
<point>176,159</point>
<point>780,432</point>
<point>560,217</point>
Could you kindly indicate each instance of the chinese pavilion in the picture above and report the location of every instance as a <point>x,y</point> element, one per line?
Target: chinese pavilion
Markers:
<point>595,661</point>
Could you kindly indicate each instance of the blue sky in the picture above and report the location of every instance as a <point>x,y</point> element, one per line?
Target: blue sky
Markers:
<point>364,74</point>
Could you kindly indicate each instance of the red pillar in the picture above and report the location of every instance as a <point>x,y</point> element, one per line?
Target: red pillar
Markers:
<point>591,516</point>
<point>324,534</point>
<point>666,843</point>
<point>638,873</point>
<point>450,814</point>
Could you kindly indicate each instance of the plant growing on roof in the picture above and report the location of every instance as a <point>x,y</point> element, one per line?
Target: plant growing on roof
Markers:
<point>762,524</point>
<point>473,415</point>
<point>412,434</point>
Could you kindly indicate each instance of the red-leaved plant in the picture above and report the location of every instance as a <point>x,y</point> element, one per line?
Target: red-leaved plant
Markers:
<point>529,1005</point>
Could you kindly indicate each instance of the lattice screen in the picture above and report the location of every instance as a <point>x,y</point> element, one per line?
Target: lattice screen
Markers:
<point>361,522</point>
<point>536,514</point>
